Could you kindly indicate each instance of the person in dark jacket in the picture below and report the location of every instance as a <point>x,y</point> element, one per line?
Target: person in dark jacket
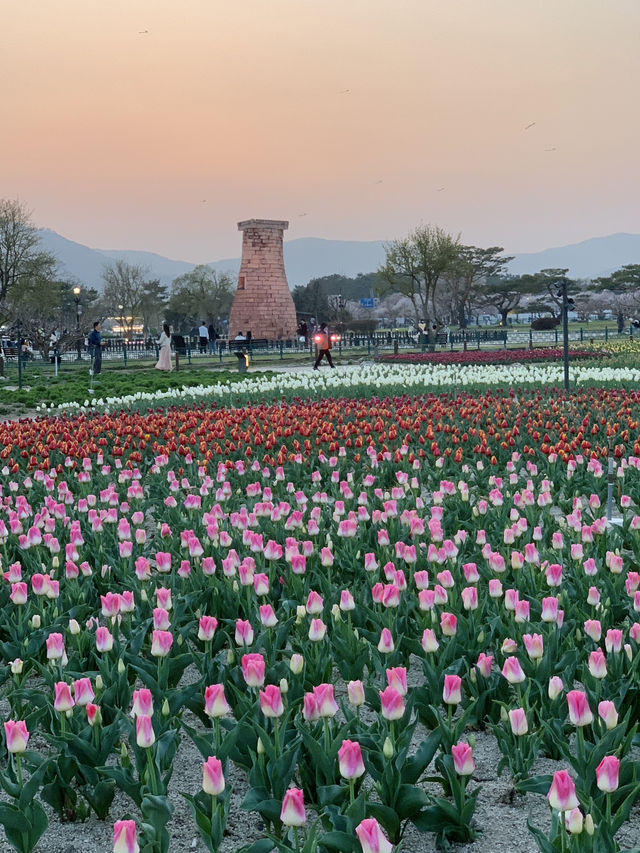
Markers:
<point>95,348</point>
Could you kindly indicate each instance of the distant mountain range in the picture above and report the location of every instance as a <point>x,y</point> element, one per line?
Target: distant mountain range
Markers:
<point>312,257</point>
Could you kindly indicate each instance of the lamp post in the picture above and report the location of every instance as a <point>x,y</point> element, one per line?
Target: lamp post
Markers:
<point>76,299</point>
<point>567,303</point>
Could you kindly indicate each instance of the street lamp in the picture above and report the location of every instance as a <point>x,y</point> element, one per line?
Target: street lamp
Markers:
<point>567,305</point>
<point>121,309</point>
<point>76,299</point>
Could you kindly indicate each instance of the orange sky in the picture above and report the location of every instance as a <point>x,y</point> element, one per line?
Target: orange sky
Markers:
<point>115,137</point>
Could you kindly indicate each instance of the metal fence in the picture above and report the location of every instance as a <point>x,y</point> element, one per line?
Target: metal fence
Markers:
<point>353,345</point>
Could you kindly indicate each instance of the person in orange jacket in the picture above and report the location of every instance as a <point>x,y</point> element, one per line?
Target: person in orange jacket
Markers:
<point>323,341</point>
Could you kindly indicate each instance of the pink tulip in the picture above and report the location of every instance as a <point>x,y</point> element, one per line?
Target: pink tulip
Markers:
<point>161,619</point>
<point>347,602</point>
<point>397,677</point>
<point>471,573</point>
<point>392,704</point>
<point>93,714</point>
<point>593,629</point>
<point>325,700</point>
<point>83,691</point>
<point>579,710</point>
<point>371,837</point>
<point>310,708</point>
<point>19,593</point>
<point>463,759</point>
<point>518,721</point>
<point>63,701</point>
<point>613,641</point>
<point>271,701</point>
<point>426,599</point>
<point>484,664</point>
<point>125,839</point>
<point>355,692</point>
<point>315,604</point>
<point>495,588</point>
<point>386,644</point>
<point>549,609</point>
<point>522,612</point>
<point>253,669</point>
<point>607,774</point>
<point>470,598</point>
<point>212,777</point>
<point>574,822</point>
<point>142,703</point>
<point>421,579</point>
<point>293,811</point>
<point>161,643</point>
<point>390,596</point>
<point>350,758</point>
<point>534,644</point>
<point>317,630</point>
<point>268,616</point>
<point>16,735</point>
<point>452,691</point>
<point>215,702</point>
<point>429,642</point>
<point>598,664</point>
<point>512,671</point>
<point>145,736</point>
<point>207,628</point>
<point>55,646</point>
<point>562,793</point>
<point>609,715</point>
<point>244,633</point>
<point>593,597</point>
<point>448,624</point>
<point>163,598</point>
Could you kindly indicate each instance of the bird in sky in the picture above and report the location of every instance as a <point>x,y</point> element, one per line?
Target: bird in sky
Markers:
<point>203,201</point>
<point>378,182</point>
<point>440,189</point>
<point>530,125</point>
<point>550,149</point>
<point>345,91</point>
<point>142,32</point>
<point>302,214</point>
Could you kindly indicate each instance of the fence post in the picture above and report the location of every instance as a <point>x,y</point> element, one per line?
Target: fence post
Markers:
<point>281,349</point>
<point>124,353</point>
<point>581,334</point>
<point>556,331</point>
<point>188,350</point>
<point>504,338</point>
<point>177,362</point>
<point>606,333</point>
<point>631,330</point>
<point>530,339</point>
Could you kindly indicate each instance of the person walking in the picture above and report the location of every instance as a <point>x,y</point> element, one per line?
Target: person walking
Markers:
<point>203,332</point>
<point>95,348</point>
<point>164,342</point>
<point>323,340</point>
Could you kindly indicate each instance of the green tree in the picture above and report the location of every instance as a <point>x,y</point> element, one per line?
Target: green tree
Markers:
<point>201,294</point>
<point>504,293</point>
<point>312,299</point>
<point>543,284</point>
<point>416,265</point>
<point>153,305</point>
<point>21,259</point>
<point>473,267</point>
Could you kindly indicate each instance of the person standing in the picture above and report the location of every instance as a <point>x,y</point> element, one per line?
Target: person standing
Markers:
<point>323,340</point>
<point>212,338</point>
<point>95,348</point>
<point>164,342</point>
<point>203,332</point>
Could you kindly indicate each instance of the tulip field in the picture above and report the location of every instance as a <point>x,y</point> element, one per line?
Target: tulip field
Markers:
<point>331,602</point>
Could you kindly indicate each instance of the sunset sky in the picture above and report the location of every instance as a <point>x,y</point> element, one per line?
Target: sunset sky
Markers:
<point>159,124</point>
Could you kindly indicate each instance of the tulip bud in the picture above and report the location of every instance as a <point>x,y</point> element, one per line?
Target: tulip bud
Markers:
<point>99,682</point>
<point>503,714</point>
<point>301,612</point>
<point>296,664</point>
<point>143,595</point>
<point>230,656</point>
<point>356,633</point>
<point>387,749</point>
<point>472,741</point>
<point>121,667</point>
<point>481,638</point>
<point>124,753</point>
<point>165,711</point>
<point>284,686</point>
<point>35,620</point>
<point>260,747</point>
<point>69,713</point>
<point>335,612</point>
<point>473,676</point>
<point>74,627</point>
<point>16,667</point>
<point>588,824</point>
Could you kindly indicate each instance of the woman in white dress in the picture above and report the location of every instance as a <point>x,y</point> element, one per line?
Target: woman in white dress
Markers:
<point>164,342</point>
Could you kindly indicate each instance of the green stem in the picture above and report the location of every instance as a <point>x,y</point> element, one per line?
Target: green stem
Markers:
<point>217,733</point>
<point>276,735</point>
<point>18,769</point>
<point>151,766</point>
<point>352,785</point>
<point>297,838</point>
<point>327,736</point>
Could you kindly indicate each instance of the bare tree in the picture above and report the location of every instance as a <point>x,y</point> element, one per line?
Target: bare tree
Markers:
<point>124,292</point>
<point>20,256</point>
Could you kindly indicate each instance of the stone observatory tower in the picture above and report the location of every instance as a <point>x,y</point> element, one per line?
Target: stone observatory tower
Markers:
<point>263,303</point>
